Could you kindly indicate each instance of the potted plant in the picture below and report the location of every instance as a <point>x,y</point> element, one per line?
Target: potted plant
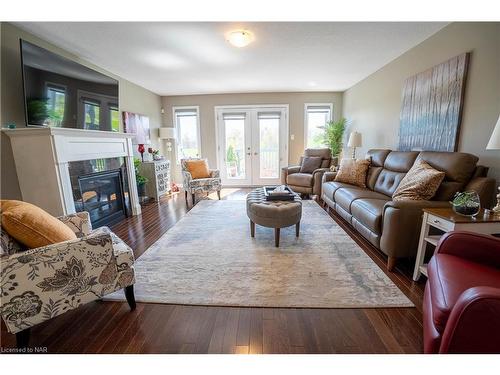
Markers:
<point>332,137</point>
<point>139,179</point>
<point>466,203</point>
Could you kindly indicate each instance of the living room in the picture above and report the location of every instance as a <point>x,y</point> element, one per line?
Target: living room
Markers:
<point>249,187</point>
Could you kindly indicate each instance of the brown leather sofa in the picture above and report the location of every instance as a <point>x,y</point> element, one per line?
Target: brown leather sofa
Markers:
<point>394,226</point>
<point>307,183</point>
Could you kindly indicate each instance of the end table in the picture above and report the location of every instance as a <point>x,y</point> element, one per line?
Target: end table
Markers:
<point>446,220</point>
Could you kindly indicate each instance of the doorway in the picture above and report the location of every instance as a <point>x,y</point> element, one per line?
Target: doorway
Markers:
<point>252,144</point>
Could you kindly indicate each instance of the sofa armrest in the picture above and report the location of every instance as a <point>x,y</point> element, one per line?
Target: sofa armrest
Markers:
<point>78,222</point>
<point>186,180</point>
<point>478,248</point>
<point>328,176</point>
<point>473,325</point>
<point>485,187</point>
<point>317,180</point>
<point>401,223</point>
<point>288,171</point>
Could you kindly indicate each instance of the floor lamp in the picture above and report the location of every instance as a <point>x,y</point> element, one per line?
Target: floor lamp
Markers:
<point>494,144</point>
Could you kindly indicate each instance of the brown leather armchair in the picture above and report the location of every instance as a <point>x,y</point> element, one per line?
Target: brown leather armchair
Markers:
<point>310,182</point>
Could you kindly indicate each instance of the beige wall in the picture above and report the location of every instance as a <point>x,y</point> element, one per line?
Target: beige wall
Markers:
<point>295,100</point>
<point>133,98</point>
<point>373,105</point>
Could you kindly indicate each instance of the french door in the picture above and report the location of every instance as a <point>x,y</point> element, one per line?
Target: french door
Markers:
<point>252,144</point>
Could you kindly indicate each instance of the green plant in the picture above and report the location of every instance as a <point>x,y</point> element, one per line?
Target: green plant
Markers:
<point>37,111</point>
<point>230,154</point>
<point>139,179</point>
<point>333,134</point>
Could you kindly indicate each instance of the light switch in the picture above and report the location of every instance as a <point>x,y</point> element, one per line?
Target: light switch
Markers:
<point>292,137</point>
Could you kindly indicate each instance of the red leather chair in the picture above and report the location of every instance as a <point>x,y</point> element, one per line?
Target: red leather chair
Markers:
<point>462,295</point>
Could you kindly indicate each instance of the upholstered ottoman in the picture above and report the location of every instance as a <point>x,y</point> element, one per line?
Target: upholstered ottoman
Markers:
<point>273,214</point>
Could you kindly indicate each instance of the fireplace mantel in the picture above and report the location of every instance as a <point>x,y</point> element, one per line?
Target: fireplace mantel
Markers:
<point>42,155</point>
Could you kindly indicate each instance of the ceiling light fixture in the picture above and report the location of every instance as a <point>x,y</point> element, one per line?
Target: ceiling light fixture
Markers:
<point>240,38</point>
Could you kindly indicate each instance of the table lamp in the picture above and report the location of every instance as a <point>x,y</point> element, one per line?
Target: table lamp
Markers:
<point>354,141</point>
<point>494,144</point>
<point>169,135</point>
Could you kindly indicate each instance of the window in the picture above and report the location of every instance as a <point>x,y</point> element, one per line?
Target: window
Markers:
<point>114,117</point>
<point>187,124</point>
<point>315,118</point>
<point>56,101</point>
<point>92,112</point>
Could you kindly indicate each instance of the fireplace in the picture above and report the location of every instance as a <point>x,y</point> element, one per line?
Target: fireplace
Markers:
<point>99,187</point>
<point>101,195</point>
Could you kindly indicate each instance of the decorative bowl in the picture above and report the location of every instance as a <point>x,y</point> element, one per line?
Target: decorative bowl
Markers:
<point>466,203</point>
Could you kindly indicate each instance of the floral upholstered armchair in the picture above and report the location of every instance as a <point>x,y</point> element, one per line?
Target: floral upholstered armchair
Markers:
<point>200,185</point>
<point>39,284</point>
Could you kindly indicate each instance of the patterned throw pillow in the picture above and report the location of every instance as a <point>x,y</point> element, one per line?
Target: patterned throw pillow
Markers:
<point>353,172</point>
<point>310,164</point>
<point>420,183</point>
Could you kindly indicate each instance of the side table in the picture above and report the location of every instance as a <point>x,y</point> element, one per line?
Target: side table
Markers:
<point>446,220</point>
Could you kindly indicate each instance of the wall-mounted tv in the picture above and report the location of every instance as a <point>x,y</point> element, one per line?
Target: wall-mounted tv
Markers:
<point>60,92</point>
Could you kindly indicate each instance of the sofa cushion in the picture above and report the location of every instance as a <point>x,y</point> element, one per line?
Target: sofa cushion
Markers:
<point>420,183</point>
<point>449,277</point>
<point>377,156</point>
<point>329,188</point>
<point>369,212</point>
<point>346,196</point>
<point>300,179</point>
<point>32,226</point>
<point>353,172</point>
<point>310,164</point>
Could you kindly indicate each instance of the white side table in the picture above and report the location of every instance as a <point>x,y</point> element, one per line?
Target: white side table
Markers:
<point>446,220</point>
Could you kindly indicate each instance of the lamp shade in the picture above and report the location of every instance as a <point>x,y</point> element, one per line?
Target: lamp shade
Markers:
<point>167,133</point>
<point>494,143</point>
<point>354,140</point>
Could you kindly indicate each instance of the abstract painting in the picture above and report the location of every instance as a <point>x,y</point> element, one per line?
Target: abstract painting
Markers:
<point>431,107</point>
<point>137,124</point>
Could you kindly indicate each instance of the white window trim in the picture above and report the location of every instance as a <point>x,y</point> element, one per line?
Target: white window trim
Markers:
<point>306,105</point>
<point>196,108</point>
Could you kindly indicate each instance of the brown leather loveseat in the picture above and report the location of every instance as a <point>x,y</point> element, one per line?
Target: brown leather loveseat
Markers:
<point>394,226</point>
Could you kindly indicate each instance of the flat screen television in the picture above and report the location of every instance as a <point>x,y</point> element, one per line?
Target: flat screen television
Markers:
<point>60,92</point>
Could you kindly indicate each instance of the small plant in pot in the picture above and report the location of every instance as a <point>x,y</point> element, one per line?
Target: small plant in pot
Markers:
<point>139,179</point>
<point>332,137</point>
<point>466,203</point>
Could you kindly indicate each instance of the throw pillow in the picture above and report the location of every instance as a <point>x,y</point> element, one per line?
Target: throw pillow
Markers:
<point>32,226</point>
<point>310,164</point>
<point>353,172</point>
<point>420,183</point>
<point>198,168</point>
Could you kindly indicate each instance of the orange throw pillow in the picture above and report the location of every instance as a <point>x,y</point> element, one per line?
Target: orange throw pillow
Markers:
<point>32,226</point>
<point>198,168</point>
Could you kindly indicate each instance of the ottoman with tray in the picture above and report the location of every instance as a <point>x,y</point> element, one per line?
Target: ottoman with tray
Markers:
<point>275,214</point>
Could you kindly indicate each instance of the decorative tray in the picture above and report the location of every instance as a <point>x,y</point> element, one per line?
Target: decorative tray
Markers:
<point>289,195</point>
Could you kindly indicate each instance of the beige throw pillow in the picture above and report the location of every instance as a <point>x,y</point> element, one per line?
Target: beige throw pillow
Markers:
<point>353,172</point>
<point>420,183</point>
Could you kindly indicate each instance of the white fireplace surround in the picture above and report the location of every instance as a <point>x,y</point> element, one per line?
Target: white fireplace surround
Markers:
<point>42,155</point>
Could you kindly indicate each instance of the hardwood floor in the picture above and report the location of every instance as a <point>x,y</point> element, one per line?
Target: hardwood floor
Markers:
<point>110,327</point>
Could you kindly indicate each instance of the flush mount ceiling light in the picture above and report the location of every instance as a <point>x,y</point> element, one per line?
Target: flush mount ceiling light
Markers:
<point>239,38</point>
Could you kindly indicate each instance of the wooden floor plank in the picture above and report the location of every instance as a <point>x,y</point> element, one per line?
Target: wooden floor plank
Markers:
<point>109,327</point>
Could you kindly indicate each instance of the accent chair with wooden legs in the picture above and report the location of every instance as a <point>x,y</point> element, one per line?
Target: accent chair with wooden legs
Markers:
<point>195,186</point>
<point>39,284</point>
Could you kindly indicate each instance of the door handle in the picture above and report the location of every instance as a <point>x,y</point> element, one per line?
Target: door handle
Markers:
<point>256,153</point>
<point>249,153</point>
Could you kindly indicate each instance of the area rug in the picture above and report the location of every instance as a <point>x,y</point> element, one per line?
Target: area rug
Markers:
<point>209,258</point>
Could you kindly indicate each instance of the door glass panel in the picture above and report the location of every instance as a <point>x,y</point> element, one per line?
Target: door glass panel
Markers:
<point>235,146</point>
<point>269,140</point>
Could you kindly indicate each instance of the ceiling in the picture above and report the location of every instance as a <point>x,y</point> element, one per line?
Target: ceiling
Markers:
<point>185,58</point>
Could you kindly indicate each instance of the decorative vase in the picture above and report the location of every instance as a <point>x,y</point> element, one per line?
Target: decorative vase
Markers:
<point>141,190</point>
<point>466,203</point>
